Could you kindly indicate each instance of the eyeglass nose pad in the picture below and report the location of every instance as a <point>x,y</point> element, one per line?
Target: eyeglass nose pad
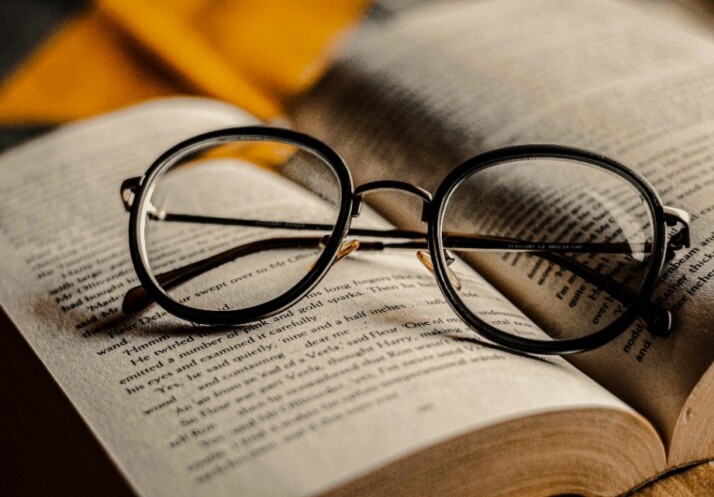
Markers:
<point>345,249</point>
<point>425,259</point>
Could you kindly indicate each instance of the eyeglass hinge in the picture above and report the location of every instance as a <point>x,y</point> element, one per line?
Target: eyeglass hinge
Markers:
<point>426,212</point>
<point>356,205</point>
<point>128,191</point>
<point>680,239</point>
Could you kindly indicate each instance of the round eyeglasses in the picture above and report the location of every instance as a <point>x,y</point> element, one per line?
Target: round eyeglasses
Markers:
<point>550,227</point>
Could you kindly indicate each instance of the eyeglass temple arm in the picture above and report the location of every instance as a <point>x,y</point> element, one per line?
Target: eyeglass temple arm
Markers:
<point>673,216</point>
<point>138,299</point>
<point>655,317</point>
<point>679,239</point>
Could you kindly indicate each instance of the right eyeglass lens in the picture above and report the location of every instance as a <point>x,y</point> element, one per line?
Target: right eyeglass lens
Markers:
<point>227,230</point>
<point>567,243</point>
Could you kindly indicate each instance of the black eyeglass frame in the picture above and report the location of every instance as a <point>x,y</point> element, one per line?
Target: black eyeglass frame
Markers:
<point>141,190</point>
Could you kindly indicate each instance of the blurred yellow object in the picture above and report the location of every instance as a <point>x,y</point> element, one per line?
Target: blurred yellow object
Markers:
<point>269,155</point>
<point>256,54</point>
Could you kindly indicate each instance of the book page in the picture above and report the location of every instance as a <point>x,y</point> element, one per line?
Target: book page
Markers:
<point>363,371</point>
<point>463,79</point>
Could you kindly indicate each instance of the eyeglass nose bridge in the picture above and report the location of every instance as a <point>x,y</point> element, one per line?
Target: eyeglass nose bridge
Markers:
<point>394,186</point>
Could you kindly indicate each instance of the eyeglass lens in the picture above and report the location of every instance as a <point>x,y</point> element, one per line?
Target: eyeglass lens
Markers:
<point>223,234</point>
<point>568,242</point>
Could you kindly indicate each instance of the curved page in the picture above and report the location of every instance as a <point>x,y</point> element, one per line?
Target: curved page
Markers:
<point>360,373</point>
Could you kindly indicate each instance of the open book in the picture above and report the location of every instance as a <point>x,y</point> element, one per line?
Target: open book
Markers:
<point>363,388</point>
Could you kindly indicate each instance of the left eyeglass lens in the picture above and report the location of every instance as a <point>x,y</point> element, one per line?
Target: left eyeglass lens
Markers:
<point>225,228</point>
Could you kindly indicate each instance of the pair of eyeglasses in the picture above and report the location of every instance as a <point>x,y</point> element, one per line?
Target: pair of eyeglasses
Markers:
<point>240,224</point>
